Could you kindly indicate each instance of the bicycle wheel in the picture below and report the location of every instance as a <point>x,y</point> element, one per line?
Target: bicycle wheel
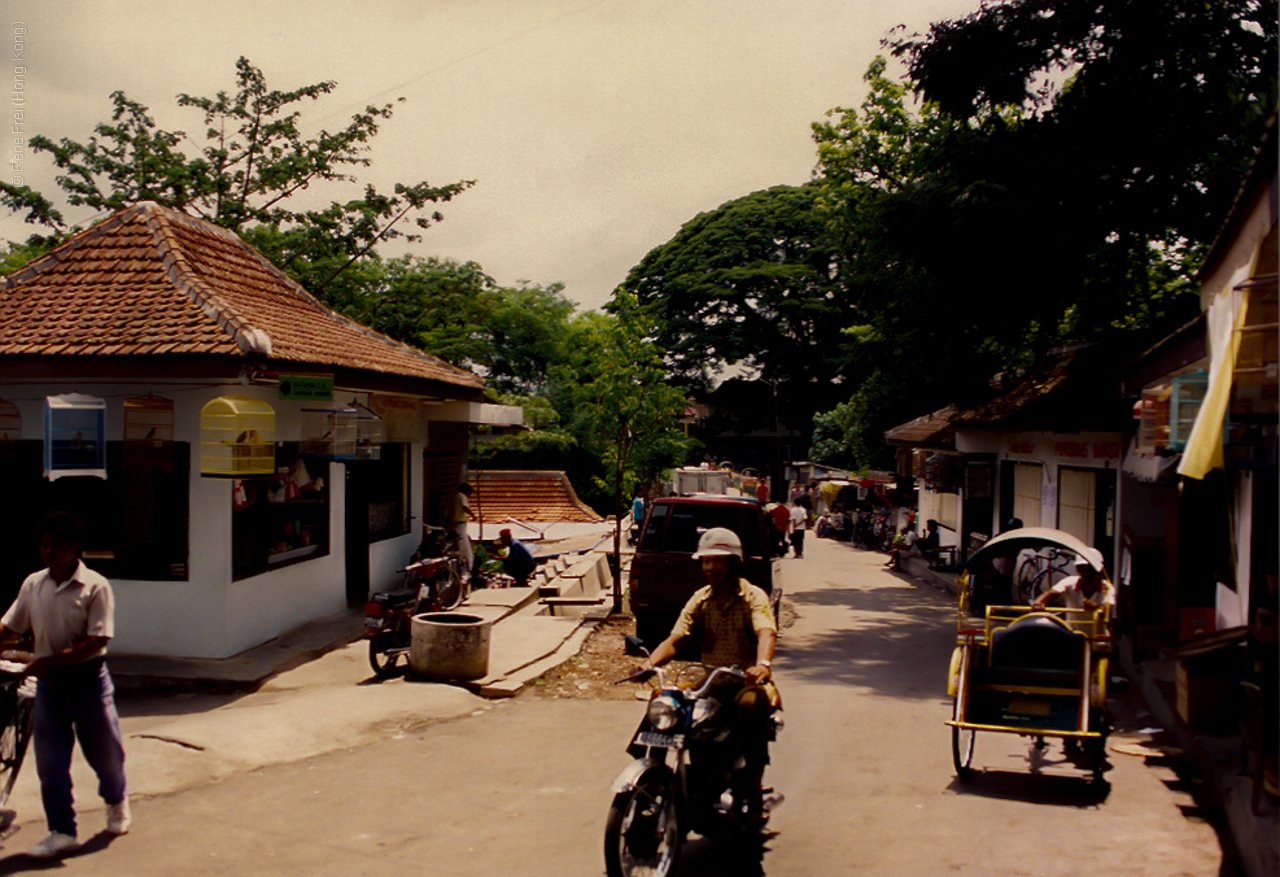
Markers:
<point>448,587</point>
<point>17,712</point>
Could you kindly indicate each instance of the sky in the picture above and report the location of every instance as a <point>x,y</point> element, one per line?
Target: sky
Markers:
<point>593,128</point>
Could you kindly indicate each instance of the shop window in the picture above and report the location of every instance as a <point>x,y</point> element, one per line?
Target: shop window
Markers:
<point>283,519</point>
<point>136,518</point>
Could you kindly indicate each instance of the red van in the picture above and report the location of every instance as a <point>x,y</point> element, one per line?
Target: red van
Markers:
<point>663,572</point>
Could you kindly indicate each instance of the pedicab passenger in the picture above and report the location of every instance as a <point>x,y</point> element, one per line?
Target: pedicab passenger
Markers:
<point>1087,589</point>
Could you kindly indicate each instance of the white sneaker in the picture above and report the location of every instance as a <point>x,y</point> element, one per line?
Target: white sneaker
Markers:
<point>118,818</point>
<point>54,845</point>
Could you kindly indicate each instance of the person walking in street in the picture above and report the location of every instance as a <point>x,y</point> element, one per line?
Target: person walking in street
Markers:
<point>637,517</point>
<point>68,609</point>
<point>780,519</point>
<point>798,524</point>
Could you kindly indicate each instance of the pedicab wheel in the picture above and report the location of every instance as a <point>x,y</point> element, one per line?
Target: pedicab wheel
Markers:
<point>962,751</point>
<point>381,659</point>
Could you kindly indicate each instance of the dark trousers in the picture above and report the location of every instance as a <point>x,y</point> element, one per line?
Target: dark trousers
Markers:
<point>76,702</point>
<point>797,542</point>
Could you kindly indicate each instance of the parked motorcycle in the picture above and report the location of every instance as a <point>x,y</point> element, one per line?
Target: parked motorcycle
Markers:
<point>687,776</point>
<point>431,584</point>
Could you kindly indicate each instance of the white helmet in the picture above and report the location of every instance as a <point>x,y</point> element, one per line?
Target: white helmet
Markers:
<point>719,541</point>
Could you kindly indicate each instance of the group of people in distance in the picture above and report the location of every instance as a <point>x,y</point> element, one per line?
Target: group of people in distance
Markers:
<point>910,544</point>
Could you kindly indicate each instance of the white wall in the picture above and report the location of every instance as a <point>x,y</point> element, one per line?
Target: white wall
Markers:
<point>209,615</point>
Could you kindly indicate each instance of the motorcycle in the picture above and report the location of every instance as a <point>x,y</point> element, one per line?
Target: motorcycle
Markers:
<point>687,776</point>
<point>431,584</point>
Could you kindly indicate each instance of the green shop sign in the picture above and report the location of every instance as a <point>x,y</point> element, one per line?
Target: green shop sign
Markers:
<point>306,387</point>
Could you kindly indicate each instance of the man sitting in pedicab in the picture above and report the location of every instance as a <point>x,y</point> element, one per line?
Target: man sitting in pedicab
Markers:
<point>1087,589</point>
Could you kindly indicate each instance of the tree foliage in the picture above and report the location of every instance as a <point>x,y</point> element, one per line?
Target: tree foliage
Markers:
<point>253,160</point>
<point>1057,181</point>
<point>754,283</point>
<point>630,410</point>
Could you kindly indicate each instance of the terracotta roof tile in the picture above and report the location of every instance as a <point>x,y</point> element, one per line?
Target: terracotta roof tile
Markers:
<point>501,495</point>
<point>150,280</point>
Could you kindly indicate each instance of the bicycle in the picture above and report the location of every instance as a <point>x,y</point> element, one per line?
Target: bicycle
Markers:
<point>17,707</point>
<point>1035,573</point>
<point>450,582</point>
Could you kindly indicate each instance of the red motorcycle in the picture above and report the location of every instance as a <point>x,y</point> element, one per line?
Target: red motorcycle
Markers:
<point>431,584</point>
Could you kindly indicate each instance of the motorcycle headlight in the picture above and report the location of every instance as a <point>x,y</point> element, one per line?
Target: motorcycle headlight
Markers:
<point>664,713</point>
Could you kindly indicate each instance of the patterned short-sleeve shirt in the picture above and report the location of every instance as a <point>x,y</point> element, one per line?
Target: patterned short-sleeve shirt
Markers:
<point>727,636</point>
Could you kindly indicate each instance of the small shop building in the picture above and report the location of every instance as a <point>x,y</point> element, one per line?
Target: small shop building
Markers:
<point>245,459</point>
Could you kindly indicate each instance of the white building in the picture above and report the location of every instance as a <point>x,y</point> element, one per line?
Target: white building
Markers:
<point>246,460</point>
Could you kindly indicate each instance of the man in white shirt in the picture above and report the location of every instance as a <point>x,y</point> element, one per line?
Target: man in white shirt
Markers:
<point>68,608</point>
<point>1087,589</point>
<point>799,521</point>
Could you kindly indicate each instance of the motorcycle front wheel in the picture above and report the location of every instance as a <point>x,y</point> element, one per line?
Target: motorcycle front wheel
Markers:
<point>381,658</point>
<point>642,835</point>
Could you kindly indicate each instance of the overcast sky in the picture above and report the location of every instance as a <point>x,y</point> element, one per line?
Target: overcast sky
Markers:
<point>594,128</point>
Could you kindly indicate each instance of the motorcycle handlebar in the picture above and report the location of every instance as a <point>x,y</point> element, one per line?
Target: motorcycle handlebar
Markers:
<point>701,691</point>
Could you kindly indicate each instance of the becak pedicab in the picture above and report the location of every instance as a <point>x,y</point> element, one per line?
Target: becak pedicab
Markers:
<point>1028,667</point>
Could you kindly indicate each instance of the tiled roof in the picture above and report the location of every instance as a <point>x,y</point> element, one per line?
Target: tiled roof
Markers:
<point>498,496</point>
<point>1073,389</point>
<point>931,430</point>
<point>150,281</point>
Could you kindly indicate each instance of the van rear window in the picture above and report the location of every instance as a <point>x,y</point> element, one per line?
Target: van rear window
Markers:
<point>652,540</point>
<point>685,524</point>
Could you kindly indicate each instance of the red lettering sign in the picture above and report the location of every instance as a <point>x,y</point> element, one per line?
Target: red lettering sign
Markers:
<point>1106,450</point>
<point>1074,450</point>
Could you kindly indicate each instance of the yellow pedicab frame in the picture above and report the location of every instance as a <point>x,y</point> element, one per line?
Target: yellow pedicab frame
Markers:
<point>974,642</point>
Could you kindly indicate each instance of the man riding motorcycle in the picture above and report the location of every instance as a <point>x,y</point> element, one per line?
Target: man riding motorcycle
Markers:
<point>732,623</point>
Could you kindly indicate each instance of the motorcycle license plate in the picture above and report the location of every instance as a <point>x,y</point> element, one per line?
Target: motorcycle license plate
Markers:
<point>373,623</point>
<point>662,741</point>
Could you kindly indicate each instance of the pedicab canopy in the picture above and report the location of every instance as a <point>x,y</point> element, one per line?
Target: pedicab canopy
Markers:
<point>1014,541</point>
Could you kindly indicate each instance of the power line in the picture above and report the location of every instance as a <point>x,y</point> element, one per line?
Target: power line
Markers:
<point>463,58</point>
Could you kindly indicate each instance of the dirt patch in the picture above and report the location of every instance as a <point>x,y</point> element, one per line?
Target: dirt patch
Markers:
<point>590,674</point>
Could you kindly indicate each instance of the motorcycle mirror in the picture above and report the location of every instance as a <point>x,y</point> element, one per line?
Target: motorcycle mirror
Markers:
<point>635,646</point>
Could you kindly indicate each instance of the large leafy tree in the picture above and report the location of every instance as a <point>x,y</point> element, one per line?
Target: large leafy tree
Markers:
<point>1065,167</point>
<point>754,283</point>
<point>243,175</point>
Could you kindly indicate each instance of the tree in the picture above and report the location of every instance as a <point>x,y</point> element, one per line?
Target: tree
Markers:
<point>632,411</point>
<point>1057,181</point>
<point>253,160</point>
<point>754,283</point>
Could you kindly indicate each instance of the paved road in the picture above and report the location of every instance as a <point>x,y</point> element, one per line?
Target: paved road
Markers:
<point>521,788</point>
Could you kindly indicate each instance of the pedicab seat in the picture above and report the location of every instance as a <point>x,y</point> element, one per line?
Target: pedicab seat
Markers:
<point>1038,650</point>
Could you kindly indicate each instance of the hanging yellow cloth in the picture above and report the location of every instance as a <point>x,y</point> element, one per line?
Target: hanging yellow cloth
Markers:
<point>1203,453</point>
